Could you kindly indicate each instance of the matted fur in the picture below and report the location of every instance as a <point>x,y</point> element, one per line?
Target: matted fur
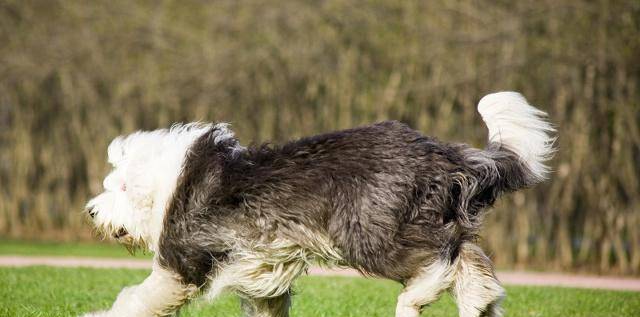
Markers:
<point>383,199</point>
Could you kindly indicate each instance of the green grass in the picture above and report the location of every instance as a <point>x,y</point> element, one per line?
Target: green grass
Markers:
<point>46,291</point>
<point>66,249</point>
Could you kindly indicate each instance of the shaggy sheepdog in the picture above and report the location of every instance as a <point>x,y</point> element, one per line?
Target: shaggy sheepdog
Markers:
<point>383,199</point>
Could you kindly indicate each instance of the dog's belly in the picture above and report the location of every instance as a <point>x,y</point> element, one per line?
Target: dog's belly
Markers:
<point>267,270</point>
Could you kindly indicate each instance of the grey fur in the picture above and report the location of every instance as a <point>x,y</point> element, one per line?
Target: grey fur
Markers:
<point>388,199</point>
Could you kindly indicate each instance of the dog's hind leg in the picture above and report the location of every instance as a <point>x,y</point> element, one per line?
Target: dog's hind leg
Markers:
<point>424,288</point>
<point>476,288</point>
<point>267,307</point>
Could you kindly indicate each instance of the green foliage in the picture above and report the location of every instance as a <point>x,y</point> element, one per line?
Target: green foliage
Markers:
<point>43,291</point>
<point>75,74</point>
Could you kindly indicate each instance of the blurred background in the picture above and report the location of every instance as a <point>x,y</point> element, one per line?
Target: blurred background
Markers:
<point>75,74</point>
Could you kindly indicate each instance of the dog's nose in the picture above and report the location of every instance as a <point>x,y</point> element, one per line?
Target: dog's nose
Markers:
<point>91,211</point>
<point>121,233</point>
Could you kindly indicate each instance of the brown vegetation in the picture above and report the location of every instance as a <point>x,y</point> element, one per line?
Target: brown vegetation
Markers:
<point>75,74</point>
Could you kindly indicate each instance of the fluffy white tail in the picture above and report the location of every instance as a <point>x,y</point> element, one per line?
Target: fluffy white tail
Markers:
<point>519,127</point>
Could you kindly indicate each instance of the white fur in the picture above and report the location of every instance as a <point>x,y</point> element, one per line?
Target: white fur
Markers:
<point>476,290</point>
<point>470,279</point>
<point>160,294</point>
<point>424,288</point>
<point>146,167</point>
<point>520,127</point>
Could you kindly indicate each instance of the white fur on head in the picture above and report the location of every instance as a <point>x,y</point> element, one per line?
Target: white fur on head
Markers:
<point>146,167</point>
<point>520,127</point>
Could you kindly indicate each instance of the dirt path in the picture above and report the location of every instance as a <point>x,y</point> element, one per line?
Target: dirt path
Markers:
<point>510,278</point>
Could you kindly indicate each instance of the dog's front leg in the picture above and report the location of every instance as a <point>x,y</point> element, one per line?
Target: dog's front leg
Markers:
<point>160,294</point>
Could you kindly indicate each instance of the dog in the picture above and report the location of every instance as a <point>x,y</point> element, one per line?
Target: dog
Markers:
<point>383,199</point>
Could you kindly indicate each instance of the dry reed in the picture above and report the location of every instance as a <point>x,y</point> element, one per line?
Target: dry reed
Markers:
<point>74,74</point>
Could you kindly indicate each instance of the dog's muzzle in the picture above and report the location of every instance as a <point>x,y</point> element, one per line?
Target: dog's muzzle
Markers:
<point>119,234</point>
<point>122,232</point>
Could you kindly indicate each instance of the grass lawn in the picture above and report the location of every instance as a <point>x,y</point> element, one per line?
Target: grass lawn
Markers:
<point>66,249</point>
<point>46,291</point>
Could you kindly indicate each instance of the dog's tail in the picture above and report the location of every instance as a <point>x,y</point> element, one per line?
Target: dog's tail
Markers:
<point>521,129</point>
<point>520,143</point>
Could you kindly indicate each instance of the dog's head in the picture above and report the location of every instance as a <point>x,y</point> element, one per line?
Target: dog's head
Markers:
<point>146,168</point>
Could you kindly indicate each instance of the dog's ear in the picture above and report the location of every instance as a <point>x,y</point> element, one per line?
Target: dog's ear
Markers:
<point>221,133</point>
<point>115,151</point>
